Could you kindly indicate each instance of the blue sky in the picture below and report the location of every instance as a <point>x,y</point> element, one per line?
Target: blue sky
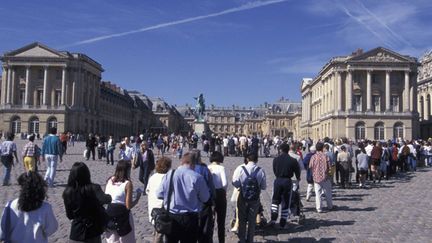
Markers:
<point>234,51</point>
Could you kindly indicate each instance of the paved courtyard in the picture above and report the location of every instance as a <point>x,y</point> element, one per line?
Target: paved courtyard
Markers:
<point>397,210</point>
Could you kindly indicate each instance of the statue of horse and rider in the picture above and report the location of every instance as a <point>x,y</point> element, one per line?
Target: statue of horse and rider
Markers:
<point>200,108</point>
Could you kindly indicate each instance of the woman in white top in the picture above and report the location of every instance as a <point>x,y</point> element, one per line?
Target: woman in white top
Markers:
<point>220,183</point>
<point>28,218</point>
<point>120,188</point>
<point>163,165</point>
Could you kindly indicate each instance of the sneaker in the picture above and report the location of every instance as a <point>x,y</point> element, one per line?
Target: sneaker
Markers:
<point>282,223</point>
<point>234,229</point>
<point>319,211</point>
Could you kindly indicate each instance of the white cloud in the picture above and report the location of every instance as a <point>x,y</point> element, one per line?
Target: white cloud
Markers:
<point>244,7</point>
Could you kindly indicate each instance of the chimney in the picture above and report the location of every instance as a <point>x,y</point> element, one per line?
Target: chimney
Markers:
<point>357,52</point>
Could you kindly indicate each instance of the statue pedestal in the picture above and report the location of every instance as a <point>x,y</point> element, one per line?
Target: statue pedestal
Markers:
<point>200,128</point>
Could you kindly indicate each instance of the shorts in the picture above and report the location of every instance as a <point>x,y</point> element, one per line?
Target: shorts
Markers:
<point>376,162</point>
<point>363,171</point>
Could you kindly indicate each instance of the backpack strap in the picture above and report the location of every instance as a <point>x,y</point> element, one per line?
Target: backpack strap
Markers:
<point>245,171</point>
<point>255,172</point>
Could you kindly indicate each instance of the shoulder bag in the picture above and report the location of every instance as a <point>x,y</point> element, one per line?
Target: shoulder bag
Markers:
<point>161,217</point>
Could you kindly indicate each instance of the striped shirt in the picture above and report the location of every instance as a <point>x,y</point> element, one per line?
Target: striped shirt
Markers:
<point>29,149</point>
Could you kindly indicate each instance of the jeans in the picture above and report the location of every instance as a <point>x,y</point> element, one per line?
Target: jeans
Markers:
<point>326,187</point>
<point>144,174</point>
<point>51,162</point>
<point>412,162</point>
<point>7,162</point>
<point>110,156</point>
<point>247,214</point>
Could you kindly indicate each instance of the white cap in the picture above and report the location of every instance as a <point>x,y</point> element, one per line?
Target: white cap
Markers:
<point>312,148</point>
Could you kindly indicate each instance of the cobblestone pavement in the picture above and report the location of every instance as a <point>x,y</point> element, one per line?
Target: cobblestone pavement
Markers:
<point>397,210</point>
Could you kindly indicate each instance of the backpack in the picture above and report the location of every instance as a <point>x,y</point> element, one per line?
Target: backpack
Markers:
<point>406,150</point>
<point>250,188</point>
<point>385,155</point>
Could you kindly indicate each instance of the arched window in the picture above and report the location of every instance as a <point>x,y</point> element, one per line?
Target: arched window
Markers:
<point>421,108</point>
<point>34,125</point>
<point>379,131</point>
<point>16,125</point>
<point>360,131</point>
<point>398,130</point>
<point>52,122</point>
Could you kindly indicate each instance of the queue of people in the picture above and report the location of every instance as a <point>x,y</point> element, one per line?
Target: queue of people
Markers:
<point>195,193</point>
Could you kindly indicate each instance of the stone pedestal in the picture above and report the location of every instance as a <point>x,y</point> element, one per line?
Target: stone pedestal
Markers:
<point>200,128</point>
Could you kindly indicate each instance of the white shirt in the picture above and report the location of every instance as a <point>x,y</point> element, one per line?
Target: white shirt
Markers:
<point>225,142</point>
<point>368,149</point>
<point>219,176</point>
<point>33,226</point>
<point>153,185</point>
<point>117,191</point>
<point>243,140</point>
<point>298,158</point>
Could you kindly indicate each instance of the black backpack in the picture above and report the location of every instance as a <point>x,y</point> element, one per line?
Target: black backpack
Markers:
<point>250,188</point>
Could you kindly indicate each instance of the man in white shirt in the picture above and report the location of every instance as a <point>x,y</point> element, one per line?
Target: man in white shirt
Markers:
<point>293,154</point>
<point>225,145</point>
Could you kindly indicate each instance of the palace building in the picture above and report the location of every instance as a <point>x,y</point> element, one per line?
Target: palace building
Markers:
<point>42,88</point>
<point>282,118</point>
<point>424,88</point>
<point>365,95</point>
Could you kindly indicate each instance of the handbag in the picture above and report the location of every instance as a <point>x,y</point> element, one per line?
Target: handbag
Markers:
<point>162,219</point>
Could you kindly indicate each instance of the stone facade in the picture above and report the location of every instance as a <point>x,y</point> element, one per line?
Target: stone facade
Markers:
<point>42,87</point>
<point>424,88</point>
<point>364,95</point>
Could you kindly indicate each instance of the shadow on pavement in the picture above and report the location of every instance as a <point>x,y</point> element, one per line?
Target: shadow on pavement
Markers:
<point>307,240</point>
<point>346,208</point>
<point>308,224</point>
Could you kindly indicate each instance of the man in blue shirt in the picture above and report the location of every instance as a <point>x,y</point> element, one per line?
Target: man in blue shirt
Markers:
<point>190,192</point>
<point>52,150</point>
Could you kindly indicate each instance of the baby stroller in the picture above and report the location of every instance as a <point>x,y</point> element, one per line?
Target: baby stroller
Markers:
<point>295,205</point>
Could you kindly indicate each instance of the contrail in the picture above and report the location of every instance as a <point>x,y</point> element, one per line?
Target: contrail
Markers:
<point>244,7</point>
<point>380,21</point>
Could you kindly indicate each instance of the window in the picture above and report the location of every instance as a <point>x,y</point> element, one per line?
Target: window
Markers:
<point>398,130</point>
<point>40,73</point>
<point>39,97</point>
<point>379,131</point>
<point>374,78</point>
<point>52,122</point>
<point>357,102</point>
<point>394,103</point>
<point>16,125</point>
<point>57,98</point>
<point>34,125</point>
<point>377,103</point>
<point>360,131</point>
<point>58,74</point>
<point>21,96</point>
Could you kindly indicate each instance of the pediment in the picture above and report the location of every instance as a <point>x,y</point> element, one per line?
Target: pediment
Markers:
<point>36,50</point>
<point>380,55</point>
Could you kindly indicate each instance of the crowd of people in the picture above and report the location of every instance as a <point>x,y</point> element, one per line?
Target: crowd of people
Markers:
<point>195,193</point>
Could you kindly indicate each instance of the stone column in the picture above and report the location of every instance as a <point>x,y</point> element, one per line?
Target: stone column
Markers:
<point>387,90</point>
<point>339,90</point>
<point>368,91</point>
<point>8,86</point>
<point>427,103</point>
<point>27,86</point>
<point>73,91</point>
<point>12,88</point>
<point>348,100</point>
<point>63,86</point>
<point>4,85</point>
<point>45,86</point>
<point>406,104</point>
